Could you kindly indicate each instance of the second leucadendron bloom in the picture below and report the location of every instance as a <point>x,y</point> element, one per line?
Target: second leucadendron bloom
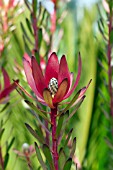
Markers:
<point>54,85</point>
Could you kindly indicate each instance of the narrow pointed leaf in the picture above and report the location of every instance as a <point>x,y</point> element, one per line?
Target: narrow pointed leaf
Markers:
<point>6,105</point>
<point>39,156</point>
<point>40,122</point>
<point>29,26</point>
<point>1,132</point>
<point>37,110</point>
<point>76,108</point>
<point>34,133</point>
<point>68,164</point>
<point>59,126</point>
<point>27,49</point>
<point>25,33</point>
<point>62,158</point>
<point>69,135</point>
<point>6,160</point>
<point>48,156</point>
<point>39,132</point>
<point>70,104</point>
<point>34,4</point>
<point>39,37</point>
<point>27,4</point>
<point>73,148</point>
<point>10,144</point>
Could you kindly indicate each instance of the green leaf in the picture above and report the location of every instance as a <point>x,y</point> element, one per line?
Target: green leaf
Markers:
<point>6,105</point>
<point>68,164</point>
<point>39,132</point>
<point>34,4</point>
<point>37,110</point>
<point>59,126</point>
<point>37,56</point>
<point>25,33</point>
<point>71,103</point>
<point>27,4</point>
<point>76,108</point>
<point>39,156</point>
<point>26,46</point>
<point>62,158</point>
<point>73,148</point>
<point>109,143</point>
<point>48,156</point>
<point>6,160</point>
<point>11,143</point>
<point>111,37</point>
<point>67,140</point>
<point>39,37</point>
<point>29,26</point>
<point>34,133</point>
<point>1,132</point>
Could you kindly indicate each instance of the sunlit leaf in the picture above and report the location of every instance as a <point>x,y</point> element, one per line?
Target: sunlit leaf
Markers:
<point>68,137</point>
<point>25,33</point>
<point>39,156</point>
<point>38,111</point>
<point>1,132</point>
<point>10,144</point>
<point>48,156</point>
<point>6,160</point>
<point>59,126</point>
<point>68,164</point>
<point>39,37</point>
<point>70,104</point>
<point>34,133</point>
<point>29,26</point>
<point>6,105</point>
<point>62,158</point>
<point>73,148</point>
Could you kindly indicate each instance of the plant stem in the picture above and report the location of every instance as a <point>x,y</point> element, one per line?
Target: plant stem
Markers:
<point>54,140</point>
<point>109,49</point>
<point>35,29</point>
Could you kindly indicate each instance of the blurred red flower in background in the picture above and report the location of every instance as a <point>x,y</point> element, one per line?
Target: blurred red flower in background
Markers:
<point>8,87</point>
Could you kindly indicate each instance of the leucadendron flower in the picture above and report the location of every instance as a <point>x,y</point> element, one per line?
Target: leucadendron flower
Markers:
<point>54,85</point>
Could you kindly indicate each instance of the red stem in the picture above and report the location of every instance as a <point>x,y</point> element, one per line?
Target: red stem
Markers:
<point>28,160</point>
<point>1,159</point>
<point>109,65</point>
<point>54,140</point>
<point>35,29</point>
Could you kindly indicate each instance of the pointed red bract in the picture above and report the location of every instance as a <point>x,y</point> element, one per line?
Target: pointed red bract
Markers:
<point>30,79</point>
<point>63,71</point>
<point>6,78</point>
<point>52,68</point>
<point>61,91</point>
<point>38,76</point>
<point>48,98</point>
<point>8,90</point>
<point>77,79</point>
